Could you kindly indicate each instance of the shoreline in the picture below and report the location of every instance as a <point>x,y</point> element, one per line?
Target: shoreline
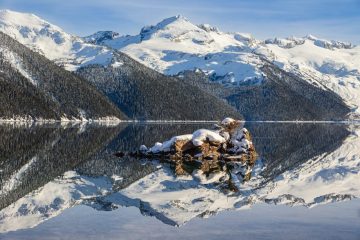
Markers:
<point>115,122</point>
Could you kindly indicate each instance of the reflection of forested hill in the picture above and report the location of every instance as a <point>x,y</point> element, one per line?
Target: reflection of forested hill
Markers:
<point>31,157</point>
<point>284,146</point>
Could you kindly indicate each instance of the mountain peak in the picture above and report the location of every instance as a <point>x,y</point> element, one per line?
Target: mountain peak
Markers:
<point>13,18</point>
<point>291,42</point>
<point>311,37</point>
<point>329,44</point>
<point>178,19</point>
<point>170,25</point>
<point>100,36</point>
<point>208,28</point>
<point>172,19</point>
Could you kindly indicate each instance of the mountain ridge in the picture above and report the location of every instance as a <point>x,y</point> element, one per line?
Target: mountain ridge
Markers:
<point>141,92</point>
<point>231,60</point>
<point>175,45</point>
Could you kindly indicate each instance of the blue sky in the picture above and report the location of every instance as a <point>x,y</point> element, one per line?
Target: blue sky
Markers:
<point>331,19</point>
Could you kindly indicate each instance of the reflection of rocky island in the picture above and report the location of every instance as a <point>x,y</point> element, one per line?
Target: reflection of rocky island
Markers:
<point>227,149</point>
<point>299,164</point>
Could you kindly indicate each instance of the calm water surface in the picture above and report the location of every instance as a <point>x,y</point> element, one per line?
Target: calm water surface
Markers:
<point>65,183</point>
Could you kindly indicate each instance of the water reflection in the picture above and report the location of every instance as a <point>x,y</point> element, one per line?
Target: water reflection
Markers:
<point>45,170</point>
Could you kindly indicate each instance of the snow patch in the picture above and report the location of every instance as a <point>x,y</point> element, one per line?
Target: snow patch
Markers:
<point>15,61</point>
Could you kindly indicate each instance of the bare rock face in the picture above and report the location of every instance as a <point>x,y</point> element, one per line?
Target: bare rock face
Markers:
<point>228,148</point>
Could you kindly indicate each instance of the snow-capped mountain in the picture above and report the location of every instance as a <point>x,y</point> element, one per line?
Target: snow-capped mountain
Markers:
<point>334,65</point>
<point>175,45</point>
<point>131,86</point>
<point>324,87</point>
<point>51,41</point>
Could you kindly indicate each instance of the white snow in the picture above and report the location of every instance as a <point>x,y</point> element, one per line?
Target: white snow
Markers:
<point>51,41</point>
<point>337,69</point>
<point>166,146</point>
<point>51,200</point>
<point>117,64</point>
<point>202,135</point>
<point>175,45</point>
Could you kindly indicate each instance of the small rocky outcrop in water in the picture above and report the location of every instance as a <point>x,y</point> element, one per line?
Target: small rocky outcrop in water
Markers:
<point>227,149</point>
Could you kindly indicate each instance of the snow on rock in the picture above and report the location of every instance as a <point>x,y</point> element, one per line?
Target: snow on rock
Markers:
<point>227,121</point>
<point>240,141</point>
<point>167,145</point>
<point>211,151</point>
<point>202,135</point>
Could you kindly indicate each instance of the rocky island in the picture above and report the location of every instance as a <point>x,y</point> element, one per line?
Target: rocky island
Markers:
<point>227,149</point>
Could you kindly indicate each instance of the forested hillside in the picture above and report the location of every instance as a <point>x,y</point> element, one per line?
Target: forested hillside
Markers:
<point>33,86</point>
<point>143,93</point>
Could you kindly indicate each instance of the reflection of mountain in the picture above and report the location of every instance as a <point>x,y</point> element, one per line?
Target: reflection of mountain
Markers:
<point>34,156</point>
<point>284,146</point>
<point>327,172</point>
<point>283,175</point>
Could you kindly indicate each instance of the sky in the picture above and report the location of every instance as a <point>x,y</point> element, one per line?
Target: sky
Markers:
<point>329,19</point>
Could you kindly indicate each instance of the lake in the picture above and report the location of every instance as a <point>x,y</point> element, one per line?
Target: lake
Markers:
<point>64,182</point>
